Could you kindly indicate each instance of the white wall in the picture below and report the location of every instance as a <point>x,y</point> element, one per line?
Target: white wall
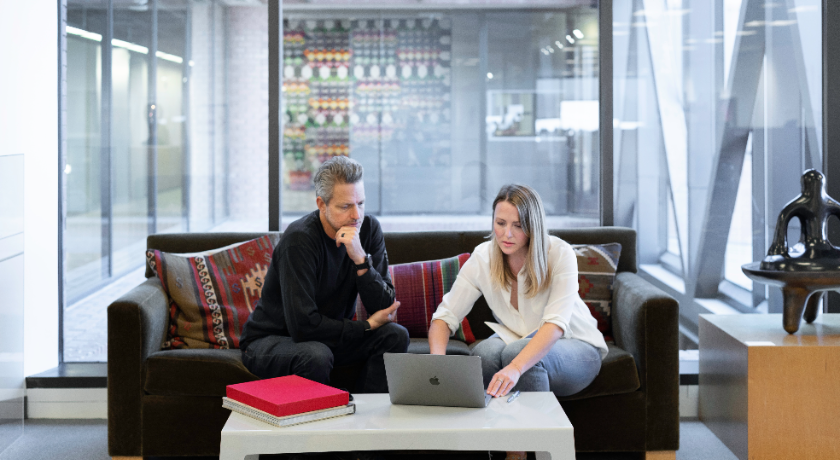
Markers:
<point>29,126</point>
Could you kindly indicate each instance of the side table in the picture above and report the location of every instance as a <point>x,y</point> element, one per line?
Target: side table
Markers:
<point>767,394</point>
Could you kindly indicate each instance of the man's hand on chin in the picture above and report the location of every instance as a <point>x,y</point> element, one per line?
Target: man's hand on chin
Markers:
<point>349,237</point>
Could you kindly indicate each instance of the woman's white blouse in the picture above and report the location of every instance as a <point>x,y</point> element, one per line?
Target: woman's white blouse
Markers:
<point>560,304</point>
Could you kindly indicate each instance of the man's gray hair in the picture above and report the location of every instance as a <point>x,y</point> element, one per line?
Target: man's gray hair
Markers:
<point>336,170</point>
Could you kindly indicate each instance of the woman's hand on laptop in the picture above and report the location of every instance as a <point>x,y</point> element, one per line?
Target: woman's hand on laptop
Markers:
<point>504,381</point>
<point>384,316</point>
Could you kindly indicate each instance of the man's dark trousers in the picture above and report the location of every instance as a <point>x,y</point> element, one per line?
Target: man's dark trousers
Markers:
<point>277,356</point>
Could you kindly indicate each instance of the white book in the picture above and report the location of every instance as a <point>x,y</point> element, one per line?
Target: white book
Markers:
<point>287,420</point>
<point>506,334</point>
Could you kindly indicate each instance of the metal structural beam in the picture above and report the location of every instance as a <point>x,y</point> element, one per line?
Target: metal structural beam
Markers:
<point>731,142</point>
<point>808,76</point>
<point>605,96</point>
<point>62,163</point>
<point>759,195</point>
<point>186,155</point>
<point>648,147</point>
<point>667,76</point>
<point>483,45</point>
<point>152,182</point>
<point>704,70</point>
<point>106,173</point>
<point>625,105</point>
<point>831,118</point>
<point>275,117</point>
<point>211,120</point>
<point>790,144</point>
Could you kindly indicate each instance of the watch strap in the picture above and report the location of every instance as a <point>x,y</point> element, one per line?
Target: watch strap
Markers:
<point>364,265</point>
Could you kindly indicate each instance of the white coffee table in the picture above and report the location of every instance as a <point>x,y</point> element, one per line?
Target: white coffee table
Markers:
<point>533,422</point>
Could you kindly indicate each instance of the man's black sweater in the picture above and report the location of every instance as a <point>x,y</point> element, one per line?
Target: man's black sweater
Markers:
<point>311,285</point>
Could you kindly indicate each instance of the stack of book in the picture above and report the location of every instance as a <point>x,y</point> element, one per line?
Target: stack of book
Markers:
<point>285,401</point>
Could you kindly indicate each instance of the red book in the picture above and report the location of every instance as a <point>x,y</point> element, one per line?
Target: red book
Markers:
<point>288,395</point>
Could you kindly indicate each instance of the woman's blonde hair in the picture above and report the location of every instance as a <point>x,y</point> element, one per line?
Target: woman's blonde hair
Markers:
<point>532,218</point>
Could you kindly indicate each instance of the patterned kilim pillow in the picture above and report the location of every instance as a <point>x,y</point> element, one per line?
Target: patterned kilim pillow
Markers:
<point>420,287</point>
<point>597,264</point>
<point>211,295</point>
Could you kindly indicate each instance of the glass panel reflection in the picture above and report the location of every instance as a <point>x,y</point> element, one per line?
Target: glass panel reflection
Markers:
<point>148,145</point>
<point>717,108</point>
<point>442,108</point>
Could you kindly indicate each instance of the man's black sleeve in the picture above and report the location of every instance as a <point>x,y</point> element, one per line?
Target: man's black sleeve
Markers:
<point>375,287</point>
<point>297,270</point>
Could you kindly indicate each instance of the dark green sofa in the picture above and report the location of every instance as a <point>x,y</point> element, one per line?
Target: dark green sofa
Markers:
<point>167,403</point>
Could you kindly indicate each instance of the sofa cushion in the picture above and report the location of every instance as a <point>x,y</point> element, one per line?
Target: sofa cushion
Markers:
<point>420,287</point>
<point>211,294</point>
<point>596,273</point>
<point>453,347</point>
<point>618,375</point>
<point>197,372</point>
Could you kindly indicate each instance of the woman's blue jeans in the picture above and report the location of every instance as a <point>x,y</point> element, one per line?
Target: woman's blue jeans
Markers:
<point>569,367</point>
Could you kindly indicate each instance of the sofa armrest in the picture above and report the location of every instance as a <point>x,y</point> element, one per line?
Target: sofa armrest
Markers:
<point>645,323</point>
<point>137,325</point>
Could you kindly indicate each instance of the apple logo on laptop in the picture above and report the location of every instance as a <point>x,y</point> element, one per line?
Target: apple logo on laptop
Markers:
<point>434,381</point>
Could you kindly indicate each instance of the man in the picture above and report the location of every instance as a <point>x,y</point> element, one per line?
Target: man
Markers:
<point>302,324</point>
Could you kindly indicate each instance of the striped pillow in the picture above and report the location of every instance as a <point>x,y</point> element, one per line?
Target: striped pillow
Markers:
<point>597,264</point>
<point>420,287</point>
<point>211,295</point>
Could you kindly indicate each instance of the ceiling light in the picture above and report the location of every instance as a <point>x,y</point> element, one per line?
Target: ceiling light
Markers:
<point>578,33</point>
<point>130,46</point>
<point>550,49</point>
<point>170,57</point>
<point>559,45</point>
<point>125,45</point>
<point>489,75</point>
<point>570,39</point>
<point>84,34</point>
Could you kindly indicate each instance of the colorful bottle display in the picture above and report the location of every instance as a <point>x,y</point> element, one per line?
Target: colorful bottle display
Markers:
<point>364,83</point>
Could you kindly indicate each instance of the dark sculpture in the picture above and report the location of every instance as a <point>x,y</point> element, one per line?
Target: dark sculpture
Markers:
<point>813,264</point>
<point>813,252</point>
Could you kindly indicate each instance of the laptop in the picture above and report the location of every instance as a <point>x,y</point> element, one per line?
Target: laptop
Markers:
<point>435,380</point>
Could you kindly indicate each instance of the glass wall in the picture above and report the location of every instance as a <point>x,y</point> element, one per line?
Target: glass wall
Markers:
<point>716,103</point>
<point>718,111</point>
<point>444,107</point>
<point>166,132</point>
<point>168,122</point>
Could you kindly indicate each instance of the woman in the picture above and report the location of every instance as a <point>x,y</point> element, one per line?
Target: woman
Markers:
<point>530,282</point>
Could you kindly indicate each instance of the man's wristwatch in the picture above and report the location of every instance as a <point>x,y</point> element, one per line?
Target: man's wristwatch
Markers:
<point>367,326</point>
<point>364,265</point>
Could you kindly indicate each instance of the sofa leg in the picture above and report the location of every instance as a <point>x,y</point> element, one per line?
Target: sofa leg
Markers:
<point>661,455</point>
